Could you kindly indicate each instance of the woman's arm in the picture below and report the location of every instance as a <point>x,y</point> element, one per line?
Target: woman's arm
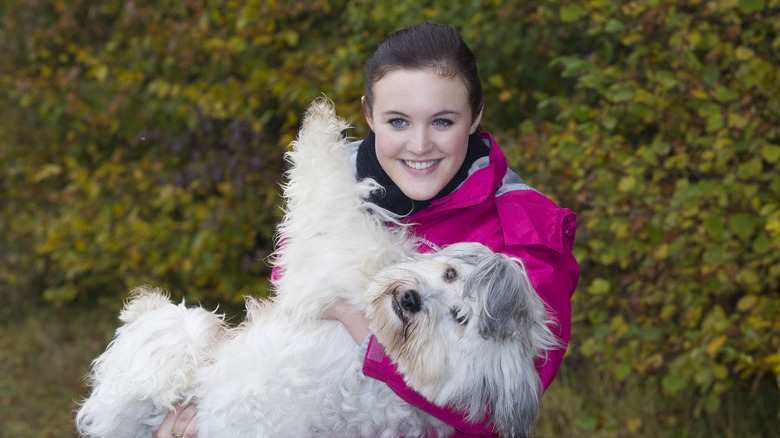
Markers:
<point>353,320</point>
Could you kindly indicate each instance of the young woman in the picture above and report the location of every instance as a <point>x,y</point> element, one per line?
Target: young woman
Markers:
<point>423,102</point>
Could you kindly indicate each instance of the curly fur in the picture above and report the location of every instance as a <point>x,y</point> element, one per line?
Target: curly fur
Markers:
<point>467,336</point>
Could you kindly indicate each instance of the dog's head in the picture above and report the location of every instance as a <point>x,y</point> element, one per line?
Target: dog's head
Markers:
<point>464,326</point>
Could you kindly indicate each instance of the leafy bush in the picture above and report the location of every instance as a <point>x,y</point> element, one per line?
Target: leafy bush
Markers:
<point>669,147</point>
<point>141,142</point>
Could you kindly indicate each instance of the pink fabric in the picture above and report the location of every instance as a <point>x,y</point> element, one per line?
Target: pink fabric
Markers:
<point>520,223</point>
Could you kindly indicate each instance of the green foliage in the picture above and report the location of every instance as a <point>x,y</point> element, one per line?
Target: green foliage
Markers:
<point>669,146</point>
<point>141,142</point>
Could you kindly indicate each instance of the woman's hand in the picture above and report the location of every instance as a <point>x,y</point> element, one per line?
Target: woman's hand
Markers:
<point>353,320</point>
<point>179,423</point>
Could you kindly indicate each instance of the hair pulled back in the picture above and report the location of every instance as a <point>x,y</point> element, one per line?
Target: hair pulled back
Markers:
<point>425,46</point>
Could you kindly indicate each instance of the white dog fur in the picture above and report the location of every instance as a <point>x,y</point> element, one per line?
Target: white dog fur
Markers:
<point>463,325</point>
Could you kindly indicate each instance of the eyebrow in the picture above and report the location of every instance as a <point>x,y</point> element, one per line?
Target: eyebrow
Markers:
<point>439,114</point>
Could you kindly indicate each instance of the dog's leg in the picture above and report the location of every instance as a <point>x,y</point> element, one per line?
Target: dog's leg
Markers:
<point>148,368</point>
<point>329,241</point>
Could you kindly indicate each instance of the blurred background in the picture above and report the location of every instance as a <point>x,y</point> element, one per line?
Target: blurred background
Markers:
<point>141,142</point>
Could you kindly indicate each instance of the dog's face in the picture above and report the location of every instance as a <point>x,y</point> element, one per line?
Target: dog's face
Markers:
<point>464,326</point>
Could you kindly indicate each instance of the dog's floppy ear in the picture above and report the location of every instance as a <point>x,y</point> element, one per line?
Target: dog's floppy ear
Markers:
<point>502,286</point>
<point>508,311</point>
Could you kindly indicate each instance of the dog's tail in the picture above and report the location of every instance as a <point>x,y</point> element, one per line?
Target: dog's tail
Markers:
<point>330,237</point>
<point>149,366</point>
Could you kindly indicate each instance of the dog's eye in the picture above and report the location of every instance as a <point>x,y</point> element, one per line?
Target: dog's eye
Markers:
<point>460,319</point>
<point>450,274</point>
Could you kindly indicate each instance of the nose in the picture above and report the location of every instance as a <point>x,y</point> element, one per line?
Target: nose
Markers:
<point>420,143</point>
<point>410,301</point>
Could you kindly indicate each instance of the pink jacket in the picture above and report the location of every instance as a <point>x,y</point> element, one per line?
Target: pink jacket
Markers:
<point>494,207</point>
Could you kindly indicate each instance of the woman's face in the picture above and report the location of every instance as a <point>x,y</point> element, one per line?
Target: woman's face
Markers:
<point>422,121</point>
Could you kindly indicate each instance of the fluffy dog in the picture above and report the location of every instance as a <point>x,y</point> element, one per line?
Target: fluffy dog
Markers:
<point>463,325</point>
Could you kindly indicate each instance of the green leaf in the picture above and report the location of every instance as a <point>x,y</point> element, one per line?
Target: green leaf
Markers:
<point>614,25</point>
<point>749,279</point>
<point>770,153</point>
<point>743,225</point>
<point>587,423</point>
<point>715,227</point>
<point>620,94</point>
<point>751,169</point>
<point>710,74</point>
<point>599,286</point>
<point>723,94</point>
<point>609,123</point>
<point>711,403</point>
<point>762,244</point>
<point>672,383</point>
<point>622,371</point>
<point>571,13</point>
<point>60,294</point>
<point>714,122</point>
<point>751,6</point>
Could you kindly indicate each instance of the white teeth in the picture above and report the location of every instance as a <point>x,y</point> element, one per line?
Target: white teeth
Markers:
<point>420,165</point>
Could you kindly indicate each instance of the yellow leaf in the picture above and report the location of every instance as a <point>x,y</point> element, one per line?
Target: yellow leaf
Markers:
<point>694,38</point>
<point>668,311</point>
<point>99,72</point>
<point>618,325</point>
<point>746,303</point>
<point>46,171</point>
<point>720,372</point>
<point>661,252</point>
<point>186,266</point>
<point>745,53</point>
<point>626,184</point>
<point>291,37</point>
<point>715,345</point>
<point>634,424</point>
<point>698,93</point>
<point>654,362</point>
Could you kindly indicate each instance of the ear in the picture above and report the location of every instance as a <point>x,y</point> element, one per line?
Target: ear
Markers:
<point>477,119</point>
<point>503,289</point>
<point>367,113</point>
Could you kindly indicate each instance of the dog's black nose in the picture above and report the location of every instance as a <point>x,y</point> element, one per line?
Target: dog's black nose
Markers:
<point>410,301</point>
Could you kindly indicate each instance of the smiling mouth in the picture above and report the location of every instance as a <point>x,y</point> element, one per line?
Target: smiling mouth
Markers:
<point>421,165</point>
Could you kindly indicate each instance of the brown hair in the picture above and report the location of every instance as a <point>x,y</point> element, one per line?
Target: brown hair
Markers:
<point>426,46</point>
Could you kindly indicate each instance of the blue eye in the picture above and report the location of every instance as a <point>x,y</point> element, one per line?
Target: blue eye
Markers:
<point>442,123</point>
<point>397,123</point>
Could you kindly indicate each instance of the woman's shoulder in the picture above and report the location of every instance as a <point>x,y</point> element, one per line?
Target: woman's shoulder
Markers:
<point>528,217</point>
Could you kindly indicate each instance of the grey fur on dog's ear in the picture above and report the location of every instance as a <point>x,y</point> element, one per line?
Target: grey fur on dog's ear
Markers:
<point>510,313</point>
<point>501,285</point>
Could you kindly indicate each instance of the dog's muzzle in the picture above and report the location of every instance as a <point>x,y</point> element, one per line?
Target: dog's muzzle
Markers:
<point>408,301</point>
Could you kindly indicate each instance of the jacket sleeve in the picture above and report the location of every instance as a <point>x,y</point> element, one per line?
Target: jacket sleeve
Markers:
<point>554,274</point>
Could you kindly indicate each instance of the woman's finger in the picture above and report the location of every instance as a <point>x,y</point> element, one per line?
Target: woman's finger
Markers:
<point>185,425</point>
<point>165,428</point>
